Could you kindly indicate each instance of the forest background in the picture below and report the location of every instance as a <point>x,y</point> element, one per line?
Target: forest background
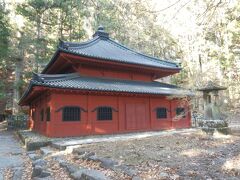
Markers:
<point>202,35</point>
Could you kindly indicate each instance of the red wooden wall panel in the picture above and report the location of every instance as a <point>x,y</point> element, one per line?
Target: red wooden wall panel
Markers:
<point>109,73</point>
<point>133,114</point>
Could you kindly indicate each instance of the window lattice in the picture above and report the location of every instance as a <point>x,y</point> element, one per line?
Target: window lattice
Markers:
<point>161,113</point>
<point>71,113</point>
<point>181,112</point>
<point>104,113</point>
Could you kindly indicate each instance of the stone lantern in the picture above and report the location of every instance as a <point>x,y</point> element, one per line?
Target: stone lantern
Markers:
<point>211,100</point>
<point>213,118</point>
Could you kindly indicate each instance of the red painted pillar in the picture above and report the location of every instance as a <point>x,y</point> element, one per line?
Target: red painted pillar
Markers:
<point>150,113</point>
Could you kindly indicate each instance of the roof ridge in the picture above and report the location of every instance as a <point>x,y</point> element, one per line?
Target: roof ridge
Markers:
<point>77,44</point>
<point>137,52</point>
<point>97,39</point>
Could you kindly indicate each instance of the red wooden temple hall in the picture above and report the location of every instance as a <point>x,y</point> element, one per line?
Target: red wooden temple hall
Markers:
<point>103,87</point>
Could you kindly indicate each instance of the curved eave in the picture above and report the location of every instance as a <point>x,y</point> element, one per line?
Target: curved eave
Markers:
<point>176,69</point>
<point>115,43</point>
<point>23,99</point>
<point>25,94</point>
<point>116,60</point>
<point>142,54</point>
<point>53,59</point>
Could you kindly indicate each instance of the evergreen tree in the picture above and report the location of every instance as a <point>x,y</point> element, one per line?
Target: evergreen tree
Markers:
<point>5,30</point>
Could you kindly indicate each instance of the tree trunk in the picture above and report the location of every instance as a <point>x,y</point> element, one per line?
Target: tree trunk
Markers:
<point>18,77</point>
<point>16,89</point>
<point>38,46</point>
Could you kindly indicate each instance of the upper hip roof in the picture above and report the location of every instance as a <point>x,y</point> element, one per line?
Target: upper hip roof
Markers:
<point>104,48</point>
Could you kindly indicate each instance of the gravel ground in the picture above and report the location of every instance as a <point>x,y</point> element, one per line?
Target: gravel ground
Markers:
<point>177,156</point>
<point>185,156</point>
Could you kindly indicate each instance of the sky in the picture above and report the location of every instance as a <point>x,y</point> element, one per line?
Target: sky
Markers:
<point>179,19</point>
<point>174,15</point>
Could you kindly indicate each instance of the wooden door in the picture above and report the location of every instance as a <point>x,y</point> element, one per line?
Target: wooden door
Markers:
<point>130,117</point>
<point>136,116</point>
<point>140,110</point>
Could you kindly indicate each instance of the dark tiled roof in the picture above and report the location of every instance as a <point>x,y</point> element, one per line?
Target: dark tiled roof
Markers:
<point>104,48</point>
<point>75,81</point>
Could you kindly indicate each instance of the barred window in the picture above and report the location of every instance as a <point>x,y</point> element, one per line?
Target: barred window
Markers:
<point>42,115</point>
<point>104,113</point>
<point>161,113</point>
<point>48,117</point>
<point>180,112</point>
<point>71,113</point>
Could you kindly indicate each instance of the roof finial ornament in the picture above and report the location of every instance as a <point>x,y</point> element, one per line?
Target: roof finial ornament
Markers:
<point>100,28</point>
<point>101,33</point>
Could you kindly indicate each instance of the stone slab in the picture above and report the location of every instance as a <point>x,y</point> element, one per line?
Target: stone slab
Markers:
<point>39,162</point>
<point>46,151</point>
<point>35,145</point>
<point>88,174</point>
<point>32,140</point>
<point>18,173</point>
<point>1,174</point>
<point>71,168</point>
<point>33,156</point>
<point>9,145</point>
<point>107,163</point>
<point>10,161</point>
<point>62,144</point>
<point>130,171</point>
<point>11,154</point>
